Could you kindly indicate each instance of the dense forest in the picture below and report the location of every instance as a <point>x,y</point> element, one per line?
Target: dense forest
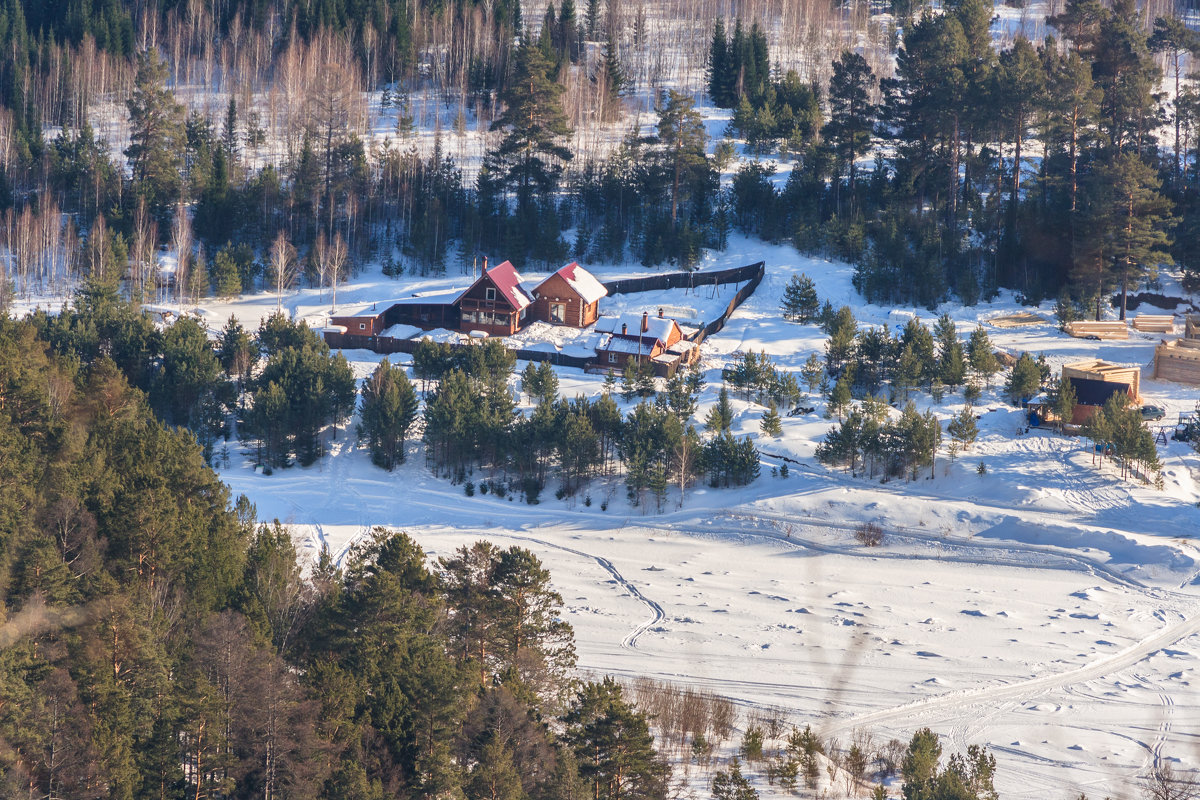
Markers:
<point>943,161</point>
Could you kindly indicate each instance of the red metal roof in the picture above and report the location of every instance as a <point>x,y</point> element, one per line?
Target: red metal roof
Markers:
<point>508,282</point>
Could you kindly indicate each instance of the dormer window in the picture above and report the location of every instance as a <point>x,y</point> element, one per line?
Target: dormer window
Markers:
<point>489,293</point>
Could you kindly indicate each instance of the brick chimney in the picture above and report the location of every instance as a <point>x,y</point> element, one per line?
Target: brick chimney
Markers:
<point>660,312</point>
<point>645,321</point>
<point>485,263</point>
<point>624,328</point>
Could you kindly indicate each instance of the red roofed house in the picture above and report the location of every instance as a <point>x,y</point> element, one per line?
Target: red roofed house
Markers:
<point>495,304</point>
<point>570,296</point>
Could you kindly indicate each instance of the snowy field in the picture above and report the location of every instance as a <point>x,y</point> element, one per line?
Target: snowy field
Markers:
<point>1046,609</point>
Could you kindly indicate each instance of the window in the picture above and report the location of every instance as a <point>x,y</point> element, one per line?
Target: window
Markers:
<point>489,293</point>
<point>612,358</point>
<point>362,326</point>
<point>558,312</point>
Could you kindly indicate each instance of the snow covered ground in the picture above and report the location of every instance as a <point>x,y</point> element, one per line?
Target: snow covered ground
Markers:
<point>1046,609</point>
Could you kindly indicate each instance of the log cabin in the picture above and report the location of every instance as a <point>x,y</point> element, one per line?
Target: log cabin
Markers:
<point>571,296</point>
<point>496,304</point>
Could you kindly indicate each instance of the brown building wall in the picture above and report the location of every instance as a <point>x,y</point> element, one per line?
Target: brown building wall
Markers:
<point>556,290</point>
<point>360,325</point>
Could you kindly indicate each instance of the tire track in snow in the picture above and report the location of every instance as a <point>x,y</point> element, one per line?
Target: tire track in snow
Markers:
<point>657,613</point>
<point>959,701</point>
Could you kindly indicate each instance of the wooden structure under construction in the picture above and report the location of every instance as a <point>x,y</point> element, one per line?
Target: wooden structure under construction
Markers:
<point>1178,361</point>
<point>1096,381</point>
<point>1191,326</point>
<point>1085,329</point>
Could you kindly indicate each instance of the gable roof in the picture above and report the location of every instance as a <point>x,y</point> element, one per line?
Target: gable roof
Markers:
<point>658,327</point>
<point>1090,392</point>
<point>581,281</point>
<point>632,344</point>
<point>508,282</point>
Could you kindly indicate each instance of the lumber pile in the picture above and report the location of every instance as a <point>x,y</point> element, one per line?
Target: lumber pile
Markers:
<point>1178,361</point>
<point>1083,329</point>
<point>1154,323</point>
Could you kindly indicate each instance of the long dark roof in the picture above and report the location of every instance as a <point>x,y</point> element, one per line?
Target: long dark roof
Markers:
<point>1090,392</point>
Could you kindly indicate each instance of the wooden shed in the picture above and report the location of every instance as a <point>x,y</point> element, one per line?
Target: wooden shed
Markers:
<point>1178,361</point>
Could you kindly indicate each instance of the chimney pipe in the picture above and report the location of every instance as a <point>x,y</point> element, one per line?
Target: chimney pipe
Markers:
<point>660,312</point>
<point>645,321</point>
<point>485,263</point>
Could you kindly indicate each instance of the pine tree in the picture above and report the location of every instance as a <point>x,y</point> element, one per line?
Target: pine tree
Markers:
<point>851,113</point>
<point>981,355</point>
<point>962,427</point>
<point>812,372</point>
<point>614,80</point>
<point>732,785</point>
<point>839,399</point>
<point>800,302</point>
<point>720,416</point>
<point>720,88</point>
<point>389,409</point>
<point>613,746</point>
<point>155,149</point>
<point>1024,381</point>
<point>531,154</point>
<point>1136,218</point>
<point>770,424</point>
<point>682,140</point>
<point>1065,402</point>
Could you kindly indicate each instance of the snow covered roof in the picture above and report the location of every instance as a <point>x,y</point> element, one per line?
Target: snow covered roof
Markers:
<point>634,345</point>
<point>657,327</point>
<point>431,299</point>
<point>508,281</point>
<point>583,282</point>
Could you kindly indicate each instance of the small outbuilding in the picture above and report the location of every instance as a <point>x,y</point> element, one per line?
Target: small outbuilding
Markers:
<point>571,296</point>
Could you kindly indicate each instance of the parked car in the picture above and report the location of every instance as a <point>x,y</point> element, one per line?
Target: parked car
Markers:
<point>1153,413</point>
